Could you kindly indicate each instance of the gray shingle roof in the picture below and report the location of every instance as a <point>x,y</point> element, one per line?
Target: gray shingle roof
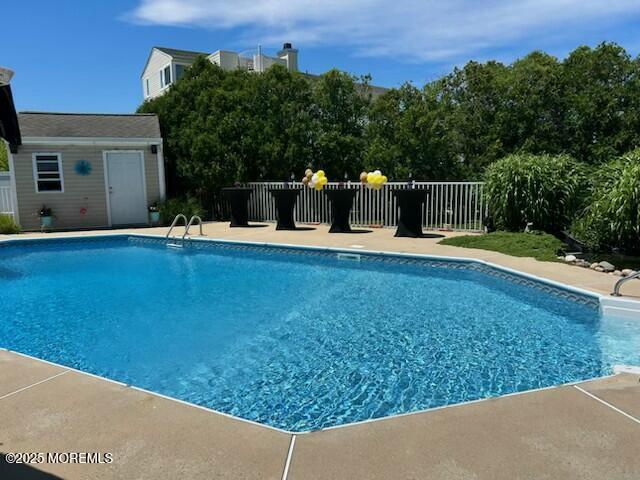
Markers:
<point>181,55</point>
<point>45,124</point>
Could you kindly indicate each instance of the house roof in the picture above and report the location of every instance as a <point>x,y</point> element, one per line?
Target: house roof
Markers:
<point>175,52</point>
<point>180,56</point>
<point>94,125</point>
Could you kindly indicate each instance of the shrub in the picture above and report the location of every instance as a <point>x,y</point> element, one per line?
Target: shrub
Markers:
<point>4,158</point>
<point>612,216</point>
<point>541,189</point>
<point>7,225</point>
<point>188,206</point>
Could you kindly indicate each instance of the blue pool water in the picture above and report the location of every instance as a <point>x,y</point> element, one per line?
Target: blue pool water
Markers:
<point>298,340</point>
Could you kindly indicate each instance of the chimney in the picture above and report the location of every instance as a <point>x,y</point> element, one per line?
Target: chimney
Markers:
<point>290,56</point>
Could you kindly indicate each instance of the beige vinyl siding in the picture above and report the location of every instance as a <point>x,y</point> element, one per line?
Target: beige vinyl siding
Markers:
<point>151,176</point>
<point>157,61</point>
<point>79,191</point>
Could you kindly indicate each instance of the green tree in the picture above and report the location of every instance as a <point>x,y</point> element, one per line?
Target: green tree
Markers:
<point>533,116</point>
<point>599,87</point>
<point>4,159</point>
<point>405,136</point>
<point>472,105</point>
<point>221,127</point>
<point>339,111</point>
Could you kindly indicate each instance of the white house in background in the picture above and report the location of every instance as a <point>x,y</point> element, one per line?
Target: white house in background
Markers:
<point>166,65</point>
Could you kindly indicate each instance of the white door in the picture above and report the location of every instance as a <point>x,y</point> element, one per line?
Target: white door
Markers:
<point>126,188</point>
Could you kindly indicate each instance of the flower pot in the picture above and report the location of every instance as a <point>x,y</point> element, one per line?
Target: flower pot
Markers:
<point>155,217</point>
<point>46,221</point>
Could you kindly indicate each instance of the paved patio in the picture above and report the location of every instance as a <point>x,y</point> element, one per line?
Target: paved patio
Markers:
<point>585,431</point>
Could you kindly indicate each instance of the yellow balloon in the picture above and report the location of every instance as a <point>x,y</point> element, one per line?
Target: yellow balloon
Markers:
<point>324,180</point>
<point>384,179</point>
<point>318,186</point>
<point>320,173</point>
<point>370,177</point>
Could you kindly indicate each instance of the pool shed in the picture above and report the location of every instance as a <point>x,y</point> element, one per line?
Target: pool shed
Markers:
<point>91,170</point>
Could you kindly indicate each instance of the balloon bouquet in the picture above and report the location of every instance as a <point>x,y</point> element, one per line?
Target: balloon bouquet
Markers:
<point>373,180</point>
<point>315,180</point>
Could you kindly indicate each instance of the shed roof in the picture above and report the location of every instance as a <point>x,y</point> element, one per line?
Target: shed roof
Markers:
<point>100,125</point>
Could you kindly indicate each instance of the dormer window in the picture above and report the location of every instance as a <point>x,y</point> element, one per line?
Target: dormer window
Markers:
<point>165,76</point>
<point>179,71</point>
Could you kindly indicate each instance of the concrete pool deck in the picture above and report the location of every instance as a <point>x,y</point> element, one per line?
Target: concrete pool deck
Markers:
<point>586,431</point>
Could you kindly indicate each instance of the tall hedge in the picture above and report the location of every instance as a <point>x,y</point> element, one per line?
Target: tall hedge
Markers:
<point>542,189</point>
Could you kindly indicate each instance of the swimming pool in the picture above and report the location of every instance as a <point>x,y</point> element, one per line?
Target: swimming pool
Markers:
<point>299,339</point>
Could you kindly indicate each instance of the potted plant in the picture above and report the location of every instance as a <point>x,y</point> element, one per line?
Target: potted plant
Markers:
<point>46,216</point>
<point>154,213</point>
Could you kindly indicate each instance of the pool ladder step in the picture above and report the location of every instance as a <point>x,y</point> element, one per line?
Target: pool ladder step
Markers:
<point>620,307</point>
<point>172,242</point>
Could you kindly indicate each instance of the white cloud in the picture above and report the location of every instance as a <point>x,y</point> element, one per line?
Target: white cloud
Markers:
<point>425,30</point>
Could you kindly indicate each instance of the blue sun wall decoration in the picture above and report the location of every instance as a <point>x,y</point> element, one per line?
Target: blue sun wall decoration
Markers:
<point>83,168</point>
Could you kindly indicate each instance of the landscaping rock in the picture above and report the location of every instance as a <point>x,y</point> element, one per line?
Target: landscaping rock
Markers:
<point>617,273</point>
<point>599,269</point>
<point>593,265</point>
<point>607,267</point>
<point>570,258</point>
<point>582,263</point>
<point>626,272</point>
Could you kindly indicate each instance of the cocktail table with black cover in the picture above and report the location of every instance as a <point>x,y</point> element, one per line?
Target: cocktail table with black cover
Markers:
<point>341,203</point>
<point>285,199</point>
<point>238,199</point>
<point>410,219</point>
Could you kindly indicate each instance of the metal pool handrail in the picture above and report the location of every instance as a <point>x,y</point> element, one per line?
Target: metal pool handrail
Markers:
<point>619,283</point>
<point>186,230</point>
<point>175,221</point>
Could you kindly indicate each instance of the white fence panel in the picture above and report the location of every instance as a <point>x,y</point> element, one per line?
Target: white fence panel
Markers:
<point>449,205</point>
<point>6,194</point>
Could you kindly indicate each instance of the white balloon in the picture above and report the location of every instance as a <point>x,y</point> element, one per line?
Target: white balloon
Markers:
<point>314,178</point>
<point>377,172</point>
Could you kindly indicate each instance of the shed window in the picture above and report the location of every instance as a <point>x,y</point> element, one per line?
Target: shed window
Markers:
<point>47,172</point>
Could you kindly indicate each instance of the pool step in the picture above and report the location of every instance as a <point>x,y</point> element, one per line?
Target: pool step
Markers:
<point>626,369</point>
<point>174,245</point>
<point>620,307</point>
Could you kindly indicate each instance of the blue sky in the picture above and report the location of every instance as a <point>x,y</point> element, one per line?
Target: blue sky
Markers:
<point>87,56</point>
